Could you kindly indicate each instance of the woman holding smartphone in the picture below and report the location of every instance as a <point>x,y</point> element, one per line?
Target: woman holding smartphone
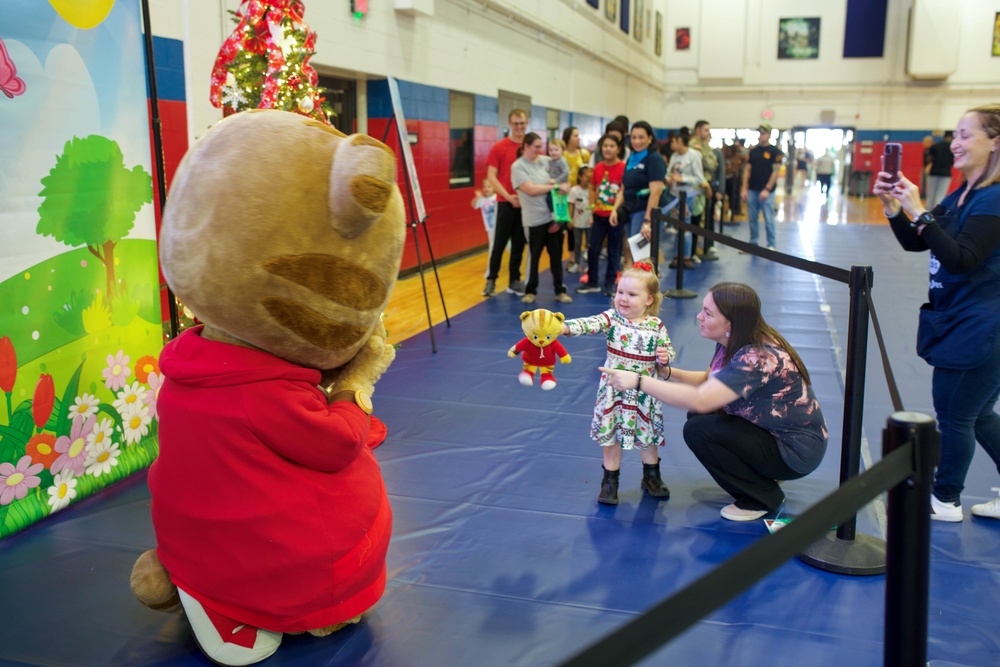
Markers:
<point>958,330</point>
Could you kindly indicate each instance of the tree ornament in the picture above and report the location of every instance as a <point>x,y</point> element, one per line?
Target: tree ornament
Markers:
<point>306,105</point>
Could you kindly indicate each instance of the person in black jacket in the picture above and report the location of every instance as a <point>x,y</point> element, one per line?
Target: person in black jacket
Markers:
<point>959,330</point>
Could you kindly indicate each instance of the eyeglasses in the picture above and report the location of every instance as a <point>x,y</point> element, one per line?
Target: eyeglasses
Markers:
<point>518,122</point>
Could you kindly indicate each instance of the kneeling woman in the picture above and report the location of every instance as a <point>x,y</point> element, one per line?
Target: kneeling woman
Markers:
<point>754,419</point>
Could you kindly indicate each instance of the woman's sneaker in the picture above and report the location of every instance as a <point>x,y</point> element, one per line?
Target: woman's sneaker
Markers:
<point>991,509</point>
<point>945,511</point>
<point>734,513</point>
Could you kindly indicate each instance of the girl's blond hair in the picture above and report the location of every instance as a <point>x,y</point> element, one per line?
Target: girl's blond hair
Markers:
<point>644,274</point>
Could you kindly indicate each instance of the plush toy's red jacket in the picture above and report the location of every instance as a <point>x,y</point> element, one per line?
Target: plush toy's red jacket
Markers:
<point>268,505</point>
<point>540,356</point>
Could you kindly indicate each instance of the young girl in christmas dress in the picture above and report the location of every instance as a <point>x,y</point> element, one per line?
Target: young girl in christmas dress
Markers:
<point>629,419</point>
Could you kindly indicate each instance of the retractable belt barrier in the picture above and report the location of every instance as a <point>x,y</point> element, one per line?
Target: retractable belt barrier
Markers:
<point>825,270</point>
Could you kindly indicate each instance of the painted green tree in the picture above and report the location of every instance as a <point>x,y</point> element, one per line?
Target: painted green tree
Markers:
<point>91,198</point>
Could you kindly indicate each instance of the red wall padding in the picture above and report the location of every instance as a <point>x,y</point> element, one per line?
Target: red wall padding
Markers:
<point>452,224</point>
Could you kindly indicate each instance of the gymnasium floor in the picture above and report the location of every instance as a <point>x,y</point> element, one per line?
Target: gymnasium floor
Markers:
<point>501,555</point>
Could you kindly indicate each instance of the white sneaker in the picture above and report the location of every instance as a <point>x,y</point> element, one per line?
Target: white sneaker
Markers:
<point>734,513</point>
<point>990,509</point>
<point>945,511</point>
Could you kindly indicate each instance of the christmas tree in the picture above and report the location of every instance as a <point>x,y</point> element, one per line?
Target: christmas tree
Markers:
<point>264,64</point>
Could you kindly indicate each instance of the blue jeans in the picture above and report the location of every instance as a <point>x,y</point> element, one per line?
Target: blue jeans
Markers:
<point>688,238</point>
<point>965,402</point>
<point>635,219</point>
<point>754,206</point>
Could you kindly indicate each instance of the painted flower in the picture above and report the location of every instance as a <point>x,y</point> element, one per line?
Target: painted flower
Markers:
<point>8,365</point>
<point>44,400</point>
<point>135,423</point>
<point>155,381</point>
<point>145,366</point>
<point>16,480</point>
<point>62,491</point>
<point>101,458</point>
<point>42,449</point>
<point>117,371</point>
<point>128,397</point>
<point>72,448</point>
<point>84,406</point>
<point>101,433</point>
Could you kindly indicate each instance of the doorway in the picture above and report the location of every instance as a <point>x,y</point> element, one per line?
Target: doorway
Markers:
<point>343,98</point>
<point>507,102</point>
<point>805,147</point>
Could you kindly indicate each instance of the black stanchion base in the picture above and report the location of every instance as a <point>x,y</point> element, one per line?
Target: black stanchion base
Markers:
<point>862,556</point>
<point>680,294</point>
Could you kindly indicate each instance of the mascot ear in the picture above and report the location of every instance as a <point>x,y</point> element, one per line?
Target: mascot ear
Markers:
<point>361,183</point>
<point>559,316</point>
<point>526,314</point>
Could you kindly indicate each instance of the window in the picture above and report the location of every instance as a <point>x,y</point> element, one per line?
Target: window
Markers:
<point>461,124</point>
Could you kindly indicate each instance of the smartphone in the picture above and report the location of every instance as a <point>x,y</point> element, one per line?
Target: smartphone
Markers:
<point>893,161</point>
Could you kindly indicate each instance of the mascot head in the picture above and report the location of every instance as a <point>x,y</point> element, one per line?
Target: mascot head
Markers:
<point>284,234</point>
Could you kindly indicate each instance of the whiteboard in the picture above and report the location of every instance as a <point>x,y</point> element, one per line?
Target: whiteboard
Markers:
<point>404,142</point>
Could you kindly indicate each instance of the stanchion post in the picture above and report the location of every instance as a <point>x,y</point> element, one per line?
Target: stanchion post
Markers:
<point>654,240</point>
<point>909,550</point>
<point>854,390</point>
<point>679,292</point>
<point>846,552</point>
<point>679,257</point>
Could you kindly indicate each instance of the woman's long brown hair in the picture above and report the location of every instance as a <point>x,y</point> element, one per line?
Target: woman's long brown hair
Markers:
<point>740,305</point>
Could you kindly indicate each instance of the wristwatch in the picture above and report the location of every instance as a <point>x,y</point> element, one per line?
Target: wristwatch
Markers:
<point>924,218</point>
<point>360,398</point>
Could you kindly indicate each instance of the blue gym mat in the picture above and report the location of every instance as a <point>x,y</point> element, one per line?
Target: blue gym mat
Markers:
<point>500,553</point>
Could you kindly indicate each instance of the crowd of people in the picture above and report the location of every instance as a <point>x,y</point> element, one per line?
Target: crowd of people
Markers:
<point>753,418</point>
<point>610,194</point>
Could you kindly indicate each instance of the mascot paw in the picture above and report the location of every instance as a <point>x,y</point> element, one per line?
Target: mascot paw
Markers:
<point>330,629</point>
<point>526,378</point>
<point>225,641</point>
<point>548,381</point>
<point>151,583</point>
<point>365,369</point>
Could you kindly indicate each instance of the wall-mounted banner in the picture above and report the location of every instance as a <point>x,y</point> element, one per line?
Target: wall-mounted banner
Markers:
<point>80,327</point>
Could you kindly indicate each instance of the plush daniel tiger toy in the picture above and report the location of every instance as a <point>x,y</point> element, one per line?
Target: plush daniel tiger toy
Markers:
<point>284,237</point>
<point>539,349</point>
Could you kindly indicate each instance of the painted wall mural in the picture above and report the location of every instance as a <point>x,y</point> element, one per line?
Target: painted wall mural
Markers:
<point>80,327</point>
